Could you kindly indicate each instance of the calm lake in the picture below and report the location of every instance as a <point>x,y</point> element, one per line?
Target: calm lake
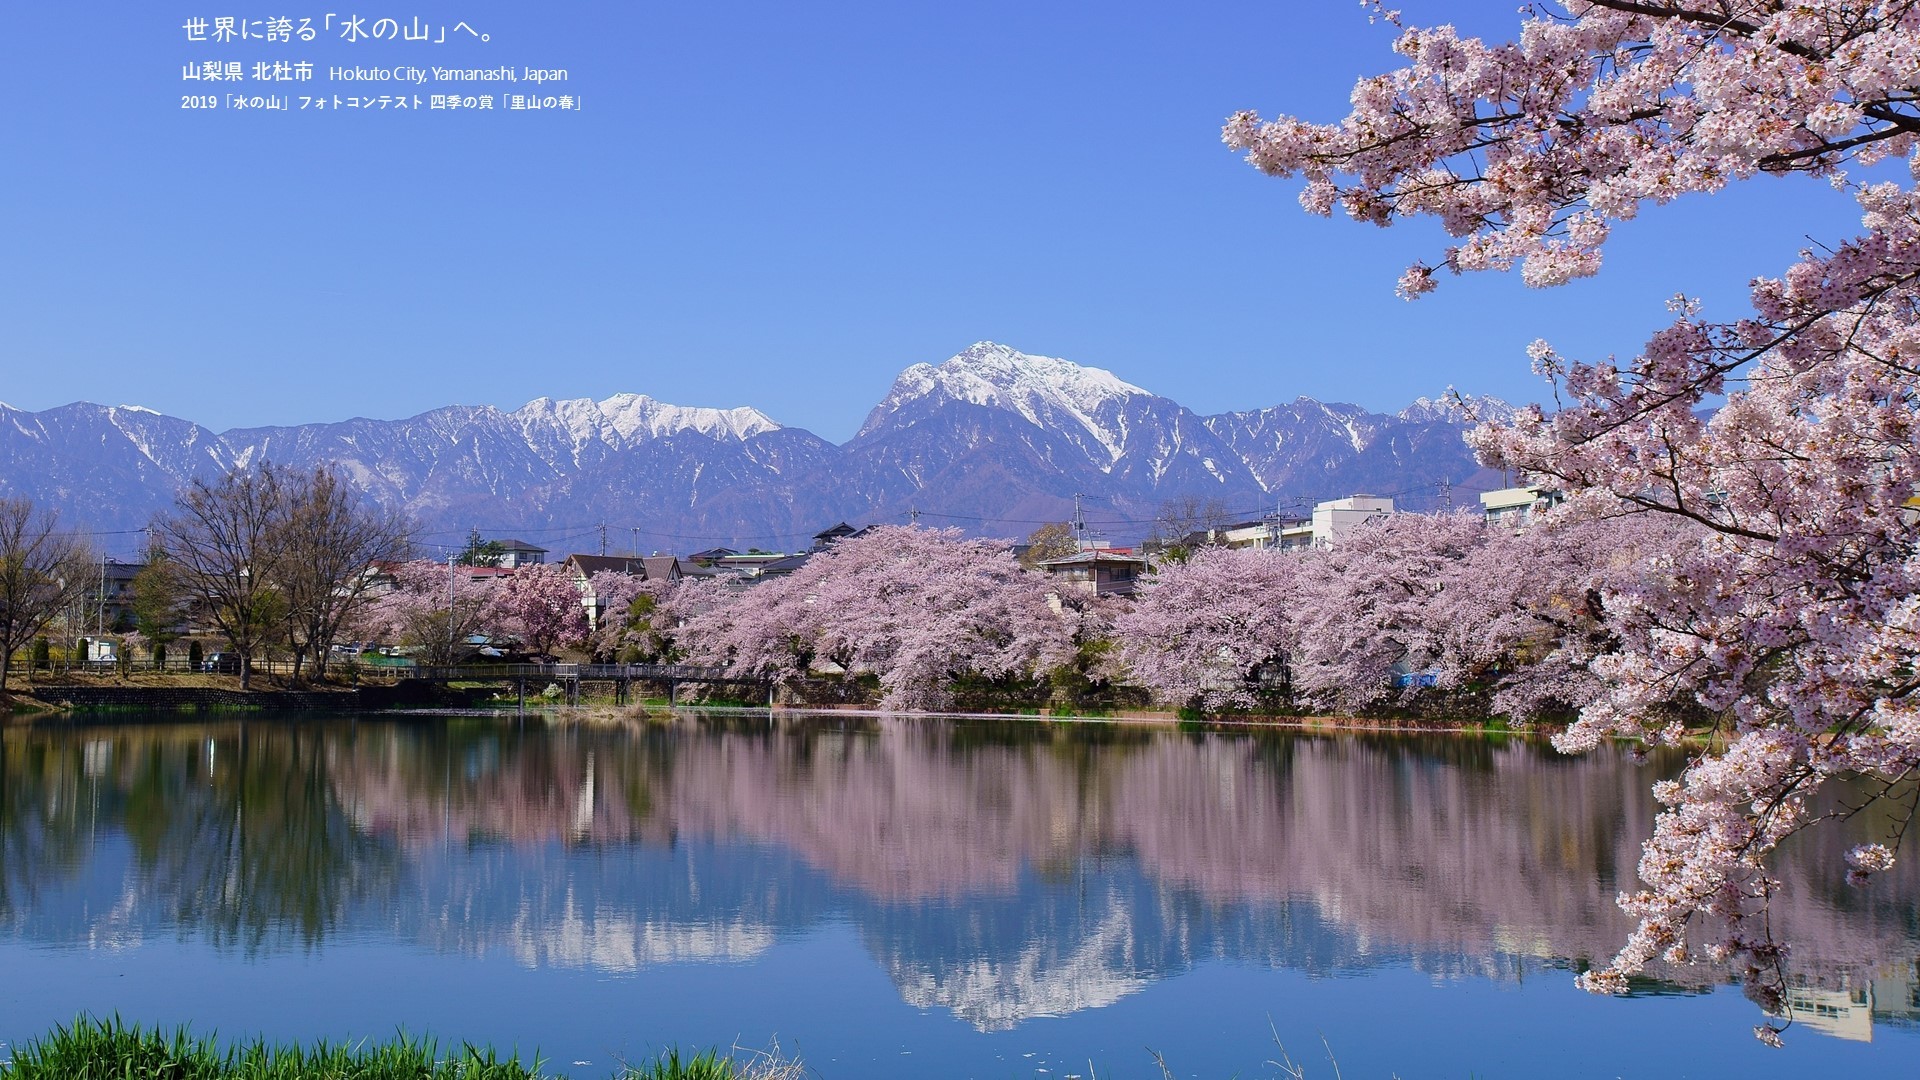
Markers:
<point>900,897</point>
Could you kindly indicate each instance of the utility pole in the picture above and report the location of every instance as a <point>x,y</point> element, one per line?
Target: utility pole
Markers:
<point>100,611</point>
<point>635,549</point>
<point>1446,496</point>
<point>450,559</point>
<point>913,516</point>
<point>603,538</point>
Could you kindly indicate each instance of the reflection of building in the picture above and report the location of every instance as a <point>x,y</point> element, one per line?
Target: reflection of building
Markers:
<point>1896,995</point>
<point>1844,1014</point>
<point>1891,997</point>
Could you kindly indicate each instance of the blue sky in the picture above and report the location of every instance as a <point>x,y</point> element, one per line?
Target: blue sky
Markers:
<point>773,204</point>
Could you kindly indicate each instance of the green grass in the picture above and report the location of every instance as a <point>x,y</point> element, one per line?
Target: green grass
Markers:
<point>93,1049</point>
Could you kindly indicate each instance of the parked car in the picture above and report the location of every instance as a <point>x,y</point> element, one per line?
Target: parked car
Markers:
<point>221,663</point>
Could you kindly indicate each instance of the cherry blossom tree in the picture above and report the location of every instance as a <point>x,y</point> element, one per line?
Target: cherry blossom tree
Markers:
<point>1528,612</point>
<point>1795,621</point>
<point>431,607</point>
<point>540,605</point>
<point>630,620</point>
<point>1216,631</point>
<point>1372,604</point>
<point>915,608</point>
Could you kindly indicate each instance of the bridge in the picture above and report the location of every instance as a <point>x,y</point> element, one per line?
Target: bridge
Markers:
<point>569,677</point>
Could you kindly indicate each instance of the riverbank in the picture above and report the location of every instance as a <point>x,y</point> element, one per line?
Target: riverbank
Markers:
<point>172,694</point>
<point>115,703</point>
<point>110,1048</point>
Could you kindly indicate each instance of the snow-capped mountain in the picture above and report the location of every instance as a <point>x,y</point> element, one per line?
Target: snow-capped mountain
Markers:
<point>991,439</point>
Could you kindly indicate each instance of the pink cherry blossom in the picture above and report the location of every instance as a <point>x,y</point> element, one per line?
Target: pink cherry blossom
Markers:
<point>913,608</point>
<point>1792,624</point>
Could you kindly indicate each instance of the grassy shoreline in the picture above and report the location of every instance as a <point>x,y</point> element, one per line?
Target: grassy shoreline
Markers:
<point>95,1049</point>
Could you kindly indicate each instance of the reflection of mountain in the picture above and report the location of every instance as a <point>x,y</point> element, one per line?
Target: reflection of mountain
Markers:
<point>1000,872</point>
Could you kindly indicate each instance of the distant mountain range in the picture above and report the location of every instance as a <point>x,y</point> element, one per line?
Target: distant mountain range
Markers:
<point>992,440</point>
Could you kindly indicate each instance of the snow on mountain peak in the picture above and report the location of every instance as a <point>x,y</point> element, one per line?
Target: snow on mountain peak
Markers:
<point>631,413</point>
<point>1457,408</point>
<point>626,418</point>
<point>1043,389</point>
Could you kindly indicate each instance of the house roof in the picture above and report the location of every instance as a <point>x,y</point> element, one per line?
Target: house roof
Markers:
<point>645,567</point>
<point>786,565</point>
<point>1097,557</point>
<point>520,545</point>
<point>590,565</point>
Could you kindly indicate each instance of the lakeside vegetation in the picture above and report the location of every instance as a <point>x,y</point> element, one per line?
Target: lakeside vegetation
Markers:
<point>96,1049</point>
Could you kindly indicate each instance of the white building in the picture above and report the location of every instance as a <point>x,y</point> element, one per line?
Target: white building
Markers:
<point>1330,521</point>
<point>1336,518</point>
<point>1515,506</point>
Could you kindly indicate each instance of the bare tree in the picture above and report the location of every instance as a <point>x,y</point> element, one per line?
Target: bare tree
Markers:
<point>221,540</point>
<point>327,538</point>
<point>1051,541</point>
<point>1186,523</point>
<point>43,573</point>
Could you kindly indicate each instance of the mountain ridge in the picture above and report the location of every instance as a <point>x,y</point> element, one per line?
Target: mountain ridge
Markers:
<point>987,434</point>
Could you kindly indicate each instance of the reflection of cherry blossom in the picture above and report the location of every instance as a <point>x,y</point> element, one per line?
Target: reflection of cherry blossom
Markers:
<point>1795,620</point>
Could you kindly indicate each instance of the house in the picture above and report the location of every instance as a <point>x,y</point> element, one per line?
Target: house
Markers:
<point>832,535</point>
<point>515,554</point>
<point>647,568</point>
<point>1099,571</point>
<point>1515,506</point>
<point>113,598</point>
<point>759,565</point>
<point>710,556</point>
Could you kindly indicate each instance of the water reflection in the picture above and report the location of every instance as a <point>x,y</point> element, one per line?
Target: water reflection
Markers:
<point>1001,872</point>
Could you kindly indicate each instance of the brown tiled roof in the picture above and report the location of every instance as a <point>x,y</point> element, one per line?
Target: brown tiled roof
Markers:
<point>1095,557</point>
<point>645,567</point>
<point>619,564</point>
